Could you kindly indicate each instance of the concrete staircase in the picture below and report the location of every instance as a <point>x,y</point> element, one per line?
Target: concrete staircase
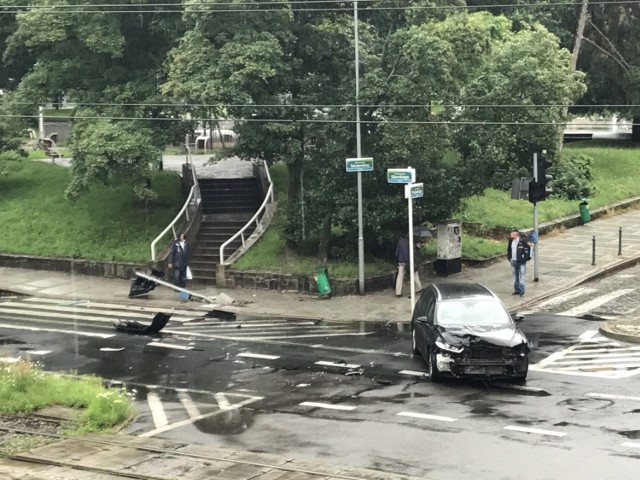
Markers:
<point>227,205</point>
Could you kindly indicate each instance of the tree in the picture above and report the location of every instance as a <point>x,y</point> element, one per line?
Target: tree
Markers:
<point>108,152</point>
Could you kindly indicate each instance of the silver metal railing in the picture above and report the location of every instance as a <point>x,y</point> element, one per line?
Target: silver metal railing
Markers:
<point>268,198</point>
<point>185,214</point>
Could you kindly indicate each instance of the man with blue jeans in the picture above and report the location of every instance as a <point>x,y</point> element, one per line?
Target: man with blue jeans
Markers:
<point>518,253</point>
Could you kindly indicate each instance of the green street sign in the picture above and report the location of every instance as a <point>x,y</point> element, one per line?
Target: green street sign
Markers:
<point>360,164</point>
<point>414,190</point>
<point>401,175</point>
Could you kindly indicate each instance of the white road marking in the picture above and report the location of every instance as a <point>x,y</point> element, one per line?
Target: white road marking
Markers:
<point>535,430</point>
<point>311,336</point>
<point>328,406</point>
<point>631,445</point>
<point>189,406</point>
<point>157,412</point>
<point>258,355</point>
<point>611,359</point>
<point>37,352</point>
<point>9,359</point>
<point>56,330</point>
<point>169,345</point>
<point>414,373</point>
<point>522,388</point>
<point>427,416</point>
<point>588,335</point>
<point>223,403</point>
<point>566,296</point>
<point>111,349</point>
<point>195,419</point>
<point>607,396</point>
<point>338,365</point>
<point>595,303</point>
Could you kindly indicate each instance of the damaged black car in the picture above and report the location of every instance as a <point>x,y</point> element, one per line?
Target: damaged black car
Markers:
<point>464,330</point>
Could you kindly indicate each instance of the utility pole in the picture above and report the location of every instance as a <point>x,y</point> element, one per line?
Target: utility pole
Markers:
<point>535,222</point>
<point>358,153</point>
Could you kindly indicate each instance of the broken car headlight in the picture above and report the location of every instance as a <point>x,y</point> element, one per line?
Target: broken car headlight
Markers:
<point>442,345</point>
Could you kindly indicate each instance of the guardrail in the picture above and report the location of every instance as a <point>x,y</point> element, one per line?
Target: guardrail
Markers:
<point>193,200</point>
<point>268,198</point>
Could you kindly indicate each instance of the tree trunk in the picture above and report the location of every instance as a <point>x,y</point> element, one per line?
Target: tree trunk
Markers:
<point>323,244</point>
<point>635,129</point>
<point>293,190</point>
<point>582,21</point>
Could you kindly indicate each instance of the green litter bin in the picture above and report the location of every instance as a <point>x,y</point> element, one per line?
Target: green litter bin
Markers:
<point>585,216</point>
<point>322,281</point>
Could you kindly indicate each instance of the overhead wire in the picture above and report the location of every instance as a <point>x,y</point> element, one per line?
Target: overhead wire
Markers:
<point>318,120</point>
<point>61,9</point>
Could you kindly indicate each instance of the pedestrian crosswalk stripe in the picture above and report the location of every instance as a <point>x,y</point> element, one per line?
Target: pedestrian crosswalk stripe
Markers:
<point>593,355</point>
<point>595,303</point>
<point>578,292</point>
<point>56,330</point>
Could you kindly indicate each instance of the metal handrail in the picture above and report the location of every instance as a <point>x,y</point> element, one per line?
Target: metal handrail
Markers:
<point>268,198</point>
<point>193,197</point>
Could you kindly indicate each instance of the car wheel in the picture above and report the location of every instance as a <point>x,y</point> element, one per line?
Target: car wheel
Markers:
<point>414,344</point>
<point>434,374</point>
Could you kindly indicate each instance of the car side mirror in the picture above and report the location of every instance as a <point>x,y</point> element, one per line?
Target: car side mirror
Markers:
<point>519,318</point>
<point>423,320</point>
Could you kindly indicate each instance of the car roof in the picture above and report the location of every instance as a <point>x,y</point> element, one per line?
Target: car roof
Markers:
<point>450,291</point>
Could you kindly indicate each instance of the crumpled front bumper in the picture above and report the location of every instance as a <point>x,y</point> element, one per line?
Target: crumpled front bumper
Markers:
<point>460,365</point>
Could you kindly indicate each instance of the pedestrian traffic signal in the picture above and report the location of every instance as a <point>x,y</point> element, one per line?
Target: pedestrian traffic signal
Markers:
<point>543,178</point>
<point>536,191</point>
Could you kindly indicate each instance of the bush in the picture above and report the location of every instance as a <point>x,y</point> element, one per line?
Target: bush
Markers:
<point>573,176</point>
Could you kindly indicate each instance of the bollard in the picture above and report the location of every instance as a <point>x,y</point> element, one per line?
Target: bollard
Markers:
<point>593,250</point>
<point>620,241</point>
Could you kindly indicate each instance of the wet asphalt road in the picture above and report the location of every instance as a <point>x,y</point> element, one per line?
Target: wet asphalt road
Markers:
<point>260,387</point>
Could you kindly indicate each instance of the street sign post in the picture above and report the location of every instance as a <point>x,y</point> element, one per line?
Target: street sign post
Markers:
<point>401,175</point>
<point>414,190</point>
<point>360,164</point>
<point>407,176</point>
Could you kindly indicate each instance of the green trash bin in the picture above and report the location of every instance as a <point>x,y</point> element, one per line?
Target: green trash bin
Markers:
<point>585,216</point>
<point>322,281</point>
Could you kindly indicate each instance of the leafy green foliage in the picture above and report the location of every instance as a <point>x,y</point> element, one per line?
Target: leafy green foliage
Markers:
<point>108,152</point>
<point>573,176</point>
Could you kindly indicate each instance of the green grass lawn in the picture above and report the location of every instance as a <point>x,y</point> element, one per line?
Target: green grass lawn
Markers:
<point>616,172</point>
<point>24,388</point>
<point>106,224</point>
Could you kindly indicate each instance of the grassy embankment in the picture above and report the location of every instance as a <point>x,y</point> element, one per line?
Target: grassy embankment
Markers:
<point>616,171</point>
<point>106,224</point>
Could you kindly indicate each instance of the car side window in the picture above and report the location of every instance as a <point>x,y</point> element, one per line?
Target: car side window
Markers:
<point>429,305</point>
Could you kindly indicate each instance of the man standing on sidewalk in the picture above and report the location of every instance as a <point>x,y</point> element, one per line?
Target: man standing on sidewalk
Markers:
<point>180,260</point>
<point>402,261</point>
<point>518,253</point>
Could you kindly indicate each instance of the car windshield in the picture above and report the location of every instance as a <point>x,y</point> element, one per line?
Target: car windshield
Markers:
<point>472,312</point>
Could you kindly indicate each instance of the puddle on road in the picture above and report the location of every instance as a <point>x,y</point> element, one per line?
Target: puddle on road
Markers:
<point>631,434</point>
<point>232,422</point>
<point>583,404</point>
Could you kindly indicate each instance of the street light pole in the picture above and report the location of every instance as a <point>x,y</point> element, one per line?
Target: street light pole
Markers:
<point>358,153</point>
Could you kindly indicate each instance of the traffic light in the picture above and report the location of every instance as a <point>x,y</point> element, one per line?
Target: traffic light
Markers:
<point>539,189</point>
<point>543,178</point>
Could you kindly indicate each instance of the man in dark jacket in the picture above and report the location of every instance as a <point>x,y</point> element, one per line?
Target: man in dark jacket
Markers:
<point>402,261</point>
<point>518,254</point>
<point>180,261</point>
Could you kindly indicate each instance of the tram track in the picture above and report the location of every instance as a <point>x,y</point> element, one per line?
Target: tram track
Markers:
<point>261,467</point>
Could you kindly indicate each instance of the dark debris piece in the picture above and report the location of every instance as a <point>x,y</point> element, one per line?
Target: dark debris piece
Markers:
<point>221,314</point>
<point>158,323</point>
<point>141,286</point>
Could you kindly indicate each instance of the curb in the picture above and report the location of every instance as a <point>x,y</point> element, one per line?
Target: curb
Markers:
<point>607,332</point>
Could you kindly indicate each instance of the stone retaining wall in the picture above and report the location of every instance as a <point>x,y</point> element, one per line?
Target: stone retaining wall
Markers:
<point>76,265</point>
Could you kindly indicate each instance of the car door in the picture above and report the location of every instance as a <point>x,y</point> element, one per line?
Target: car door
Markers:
<point>425,312</point>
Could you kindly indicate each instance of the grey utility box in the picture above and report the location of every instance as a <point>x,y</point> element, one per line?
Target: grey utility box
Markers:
<point>449,258</point>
